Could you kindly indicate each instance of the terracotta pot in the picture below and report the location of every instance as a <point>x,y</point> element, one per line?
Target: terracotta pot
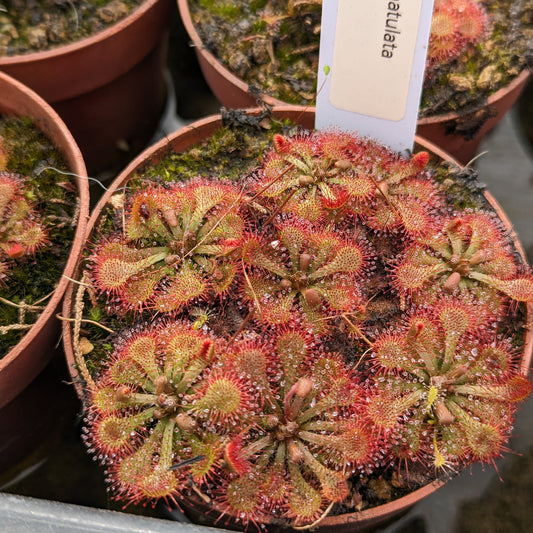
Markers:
<point>108,88</point>
<point>445,130</point>
<point>184,139</point>
<point>25,360</point>
<point>442,130</point>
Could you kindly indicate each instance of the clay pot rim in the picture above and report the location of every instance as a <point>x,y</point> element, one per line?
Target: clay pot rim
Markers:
<point>194,130</point>
<point>183,7</point>
<point>77,167</point>
<point>91,40</point>
<point>517,81</point>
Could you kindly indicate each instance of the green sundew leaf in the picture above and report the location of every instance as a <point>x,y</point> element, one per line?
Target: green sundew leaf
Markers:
<point>227,225</point>
<point>348,259</point>
<point>294,240</point>
<point>143,350</point>
<point>188,284</point>
<point>303,500</point>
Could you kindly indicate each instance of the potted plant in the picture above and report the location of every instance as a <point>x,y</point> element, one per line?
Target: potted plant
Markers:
<point>476,67</point>
<point>99,64</point>
<point>280,341</point>
<point>44,211</point>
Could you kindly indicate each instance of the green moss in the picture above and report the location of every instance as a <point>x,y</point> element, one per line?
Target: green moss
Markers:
<point>221,8</point>
<point>230,153</point>
<point>256,5</point>
<point>33,278</point>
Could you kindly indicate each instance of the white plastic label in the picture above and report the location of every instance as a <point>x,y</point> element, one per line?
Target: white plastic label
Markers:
<point>371,67</point>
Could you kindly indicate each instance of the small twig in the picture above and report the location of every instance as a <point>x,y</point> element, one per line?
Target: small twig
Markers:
<point>270,183</point>
<point>387,200</point>
<point>187,462</point>
<point>218,222</point>
<point>14,327</point>
<point>245,321</point>
<point>85,321</point>
<point>76,16</point>
<point>205,498</point>
<point>78,355</point>
<point>23,306</point>
<point>77,282</point>
<point>305,49</point>
<point>256,299</point>
<point>89,178</point>
<point>476,157</point>
<point>357,330</point>
<point>44,298</point>
<point>279,208</point>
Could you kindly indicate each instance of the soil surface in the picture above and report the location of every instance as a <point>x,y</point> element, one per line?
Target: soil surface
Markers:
<point>277,54</point>
<point>34,25</point>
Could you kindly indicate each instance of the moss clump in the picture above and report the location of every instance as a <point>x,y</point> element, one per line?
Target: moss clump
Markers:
<point>31,279</point>
<point>231,152</point>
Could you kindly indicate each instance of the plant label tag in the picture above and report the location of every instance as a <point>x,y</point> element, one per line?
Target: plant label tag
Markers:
<point>371,67</point>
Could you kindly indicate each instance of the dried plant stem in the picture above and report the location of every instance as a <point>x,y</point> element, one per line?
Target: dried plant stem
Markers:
<point>357,330</point>
<point>270,183</point>
<point>14,327</point>
<point>218,222</point>
<point>245,321</point>
<point>280,207</point>
<point>78,356</point>
<point>85,321</point>
<point>23,306</point>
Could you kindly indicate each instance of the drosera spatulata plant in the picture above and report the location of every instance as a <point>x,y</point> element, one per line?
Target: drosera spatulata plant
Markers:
<point>280,397</point>
<point>469,251</point>
<point>179,244</point>
<point>294,457</point>
<point>446,387</point>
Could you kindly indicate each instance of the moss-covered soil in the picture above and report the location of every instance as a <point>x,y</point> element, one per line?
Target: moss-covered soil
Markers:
<point>30,279</point>
<point>277,54</point>
<point>34,25</point>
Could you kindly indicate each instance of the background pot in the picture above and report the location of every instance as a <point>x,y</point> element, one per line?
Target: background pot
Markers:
<point>446,131</point>
<point>108,88</point>
<point>25,360</point>
<point>195,133</point>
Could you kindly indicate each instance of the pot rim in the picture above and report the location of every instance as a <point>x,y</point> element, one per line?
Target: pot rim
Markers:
<point>194,133</point>
<point>514,84</point>
<point>52,125</point>
<point>216,64</point>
